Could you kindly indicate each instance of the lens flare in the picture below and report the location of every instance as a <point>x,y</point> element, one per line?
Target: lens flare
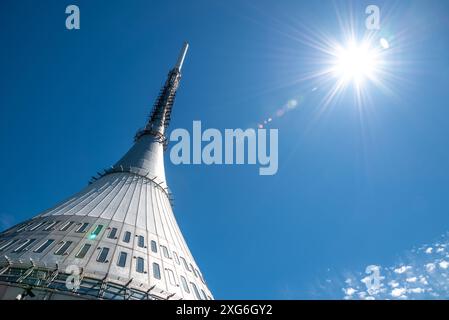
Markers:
<point>384,43</point>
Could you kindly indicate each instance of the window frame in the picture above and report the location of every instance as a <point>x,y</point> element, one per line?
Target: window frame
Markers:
<point>195,290</point>
<point>141,241</point>
<point>119,259</point>
<point>184,262</point>
<point>127,237</point>
<point>83,227</point>
<point>103,257</point>
<point>165,252</point>
<point>50,227</point>
<point>156,271</point>
<point>194,270</point>
<point>94,234</point>
<point>153,245</point>
<point>66,226</point>
<point>78,255</point>
<point>8,244</point>
<point>63,244</point>
<point>44,245</point>
<point>185,284</point>
<point>203,294</point>
<point>23,246</point>
<point>176,257</point>
<point>171,276</point>
<point>113,233</point>
<point>140,265</point>
<point>23,226</point>
<point>36,226</point>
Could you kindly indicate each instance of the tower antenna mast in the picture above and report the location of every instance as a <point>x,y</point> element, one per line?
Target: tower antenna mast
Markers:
<point>160,115</point>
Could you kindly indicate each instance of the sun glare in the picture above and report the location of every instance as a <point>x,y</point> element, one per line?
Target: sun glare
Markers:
<point>346,61</point>
<point>356,63</point>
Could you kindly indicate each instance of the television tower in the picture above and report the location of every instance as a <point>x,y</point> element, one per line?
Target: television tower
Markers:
<point>116,239</point>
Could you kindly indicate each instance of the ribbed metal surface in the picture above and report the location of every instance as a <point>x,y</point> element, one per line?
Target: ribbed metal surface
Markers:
<point>129,203</point>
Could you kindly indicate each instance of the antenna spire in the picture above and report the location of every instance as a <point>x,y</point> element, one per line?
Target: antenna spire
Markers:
<point>182,56</point>
<point>160,115</point>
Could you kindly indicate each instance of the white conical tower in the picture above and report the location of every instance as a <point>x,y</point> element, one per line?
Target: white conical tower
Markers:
<point>116,239</point>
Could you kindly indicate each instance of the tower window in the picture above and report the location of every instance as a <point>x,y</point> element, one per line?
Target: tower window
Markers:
<point>8,245</point>
<point>83,251</point>
<point>203,294</point>
<point>165,251</point>
<point>176,257</point>
<point>194,271</point>
<point>171,277</point>
<point>195,289</point>
<point>185,264</point>
<point>66,226</point>
<point>96,232</point>
<point>103,255</point>
<point>51,226</point>
<point>140,266</point>
<point>127,237</point>
<point>112,233</point>
<point>141,241</point>
<point>184,284</point>
<point>44,246</point>
<point>82,228</point>
<point>36,226</point>
<point>156,271</point>
<point>63,248</point>
<point>24,226</point>
<point>24,246</point>
<point>201,277</point>
<point>153,246</point>
<point>121,261</point>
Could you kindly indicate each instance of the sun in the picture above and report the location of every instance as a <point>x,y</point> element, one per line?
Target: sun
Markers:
<point>355,63</point>
<point>347,65</point>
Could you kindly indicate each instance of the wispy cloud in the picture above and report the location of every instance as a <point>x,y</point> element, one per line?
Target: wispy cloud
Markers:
<point>422,274</point>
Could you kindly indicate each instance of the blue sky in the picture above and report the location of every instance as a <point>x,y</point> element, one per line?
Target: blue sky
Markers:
<point>355,186</point>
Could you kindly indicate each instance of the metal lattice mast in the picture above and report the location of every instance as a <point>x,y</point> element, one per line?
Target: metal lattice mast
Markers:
<point>160,115</point>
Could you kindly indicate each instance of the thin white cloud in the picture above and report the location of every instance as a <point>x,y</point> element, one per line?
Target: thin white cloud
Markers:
<point>422,274</point>
<point>416,290</point>
<point>398,292</point>
<point>350,291</point>
<point>393,284</point>
<point>423,280</point>
<point>444,264</point>
<point>402,269</point>
<point>430,267</point>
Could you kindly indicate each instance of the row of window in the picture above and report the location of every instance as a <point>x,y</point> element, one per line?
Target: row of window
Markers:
<point>102,258</point>
<point>52,226</point>
<point>112,235</point>
<point>88,286</point>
